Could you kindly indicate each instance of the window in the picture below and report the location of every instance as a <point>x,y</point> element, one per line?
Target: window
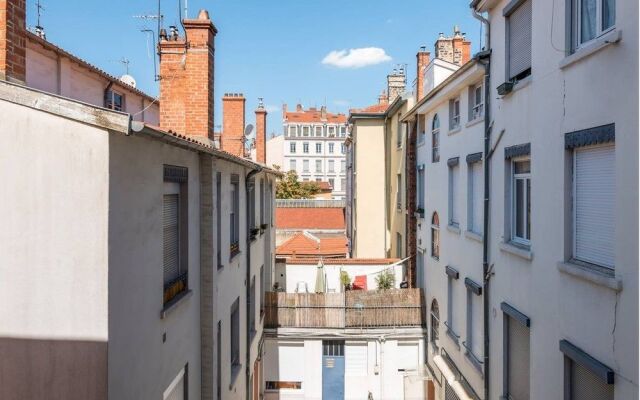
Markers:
<point>175,230</point>
<point>114,100</point>
<point>585,377</point>
<point>454,178</point>
<point>252,306</point>
<point>516,354</point>
<point>332,131</point>
<point>422,127</point>
<point>454,114</point>
<point>343,148</point>
<point>251,198</point>
<point>219,219</point>
<point>305,131</point>
<point>332,166</point>
<point>399,191</point>
<point>332,183</point>
<point>420,269</point>
<point>435,139</point>
<point>318,179</point>
<point>292,165</point>
<point>305,165</point>
<point>521,201</point>
<point>420,189</point>
<point>356,359</point>
<point>318,148</point>
<point>263,286</point>
<point>333,348</point>
<point>284,375</point>
<point>234,216</point>
<point>293,131</point>
<point>398,245</point>
<point>452,275</point>
<point>473,343</point>
<point>177,389</point>
<point>262,216</point>
<point>591,19</point>
<point>343,184</point>
<point>518,40</point>
<point>475,192</point>
<point>476,102</point>
<point>318,131</point>
<point>318,165</point>
<point>399,133</point>
<point>435,236</point>
<point>292,147</point>
<point>343,131</point>
<point>305,148</point>
<point>235,337</point>
<point>594,204</point>
<point>435,323</point>
<point>343,166</point>
<point>330,148</point>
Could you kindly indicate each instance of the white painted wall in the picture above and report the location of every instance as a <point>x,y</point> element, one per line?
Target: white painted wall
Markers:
<point>307,273</point>
<point>275,151</point>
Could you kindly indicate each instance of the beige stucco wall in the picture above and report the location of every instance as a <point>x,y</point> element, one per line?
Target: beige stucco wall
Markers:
<point>53,257</point>
<point>368,210</point>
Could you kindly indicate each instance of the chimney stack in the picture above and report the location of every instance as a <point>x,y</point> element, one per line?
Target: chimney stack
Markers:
<point>383,98</point>
<point>13,64</point>
<point>396,83</point>
<point>455,49</point>
<point>422,60</point>
<point>186,79</point>
<point>233,123</point>
<point>261,133</point>
<point>323,112</point>
<point>298,107</point>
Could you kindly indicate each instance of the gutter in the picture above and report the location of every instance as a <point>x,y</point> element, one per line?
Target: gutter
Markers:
<point>484,59</point>
<point>247,285</point>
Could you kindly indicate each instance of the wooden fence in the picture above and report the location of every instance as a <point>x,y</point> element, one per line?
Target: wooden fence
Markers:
<point>353,309</point>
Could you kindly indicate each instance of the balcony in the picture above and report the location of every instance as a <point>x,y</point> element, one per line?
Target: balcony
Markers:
<point>175,287</point>
<point>393,308</point>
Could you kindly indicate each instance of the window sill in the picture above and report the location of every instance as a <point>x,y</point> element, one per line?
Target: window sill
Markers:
<point>521,84</point>
<point>473,235</point>
<point>454,228</point>
<point>171,306</point>
<point>591,274</point>
<point>517,250</point>
<point>475,121</point>
<point>592,47</point>
<point>452,335</point>
<point>235,371</point>
<point>233,255</point>
<point>475,361</point>
<point>454,130</point>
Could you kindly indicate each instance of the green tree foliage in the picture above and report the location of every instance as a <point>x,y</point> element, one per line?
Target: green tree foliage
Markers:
<point>386,280</point>
<point>345,279</point>
<point>288,187</point>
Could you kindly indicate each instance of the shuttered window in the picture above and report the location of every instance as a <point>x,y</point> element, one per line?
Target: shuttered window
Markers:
<point>292,366</point>
<point>585,385</point>
<point>171,236</point>
<point>594,202</point>
<point>476,190</point>
<point>519,41</point>
<point>407,357</point>
<point>454,193</point>
<point>355,359</point>
<point>585,378</point>
<point>235,334</point>
<point>517,360</point>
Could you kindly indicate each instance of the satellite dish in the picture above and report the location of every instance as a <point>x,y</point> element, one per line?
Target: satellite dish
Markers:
<point>247,130</point>
<point>128,79</point>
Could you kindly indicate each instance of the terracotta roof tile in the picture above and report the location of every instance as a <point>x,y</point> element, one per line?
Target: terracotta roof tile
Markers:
<point>301,245</point>
<point>374,109</point>
<point>314,116</point>
<point>310,218</point>
<point>344,261</point>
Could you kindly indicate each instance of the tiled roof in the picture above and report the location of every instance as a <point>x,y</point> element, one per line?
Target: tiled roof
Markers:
<point>324,186</point>
<point>344,261</point>
<point>374,109</point>
<point>301,245</point>
<point>310,218</point>
<point>314,116</point>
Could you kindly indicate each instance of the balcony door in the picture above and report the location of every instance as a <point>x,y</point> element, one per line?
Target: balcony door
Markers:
<point>333,370</point>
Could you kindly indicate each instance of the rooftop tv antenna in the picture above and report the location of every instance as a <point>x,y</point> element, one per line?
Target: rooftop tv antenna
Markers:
<point>125,63</point>
<point>39,29</point>
<point>247,130</point>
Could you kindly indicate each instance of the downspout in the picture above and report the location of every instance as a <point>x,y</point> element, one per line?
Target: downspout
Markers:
<point>248,281</point>
<point>485,61</point>
<point>387,171</point>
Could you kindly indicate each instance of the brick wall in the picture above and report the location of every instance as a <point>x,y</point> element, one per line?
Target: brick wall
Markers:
<point>422,60</point>
<point>233,123</point>
<point>12,40</point>
<point>186,79</point>
<point>261,133</point>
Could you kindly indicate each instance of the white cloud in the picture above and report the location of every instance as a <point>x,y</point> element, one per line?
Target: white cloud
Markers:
<point>271,108</point>
<point>342,103</point>
<point>356,58</point>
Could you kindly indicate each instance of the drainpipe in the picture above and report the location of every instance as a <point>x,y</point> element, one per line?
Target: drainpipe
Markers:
<point>248,281</point>
<point>387,186</point>
<point>485,61</point>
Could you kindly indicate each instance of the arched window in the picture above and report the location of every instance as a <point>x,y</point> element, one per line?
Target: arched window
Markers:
<point>435,139</point>
<point>435,322</point>
<point>435,236</point>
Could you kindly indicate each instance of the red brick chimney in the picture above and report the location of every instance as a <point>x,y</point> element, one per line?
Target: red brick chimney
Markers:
<point>461,48</point>
<point>422,60</point>
<point>186,79</point>
<point>232,137</point>
<point>13,65</point>
<point>261,133</point>
<point>299,107</point>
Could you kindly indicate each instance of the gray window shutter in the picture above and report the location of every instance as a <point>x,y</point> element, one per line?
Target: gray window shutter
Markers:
<point>519,39</point>
<point>518,351</point>
<point>171,237</point>
<point>586,385</point>
<point>478,195</point>
<point>594,204</point>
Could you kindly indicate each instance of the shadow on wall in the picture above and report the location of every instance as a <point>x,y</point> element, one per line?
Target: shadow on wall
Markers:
<point>33,369</point>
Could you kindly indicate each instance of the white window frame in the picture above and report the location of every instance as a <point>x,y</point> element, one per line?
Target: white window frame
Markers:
<point>318,165</point>
<point>293,130</point>
<point>477,108</point>
<point>305,165</point>
<point>318,130</point>
<point>292,165</point>
<point>526,241</point>
<point>454,218</point>
<point>331,145</point>
<point>305,147</point>
<point>577,21</point>
<point>292,147</point>
<point>331,166</point>
<point>318,148</point>
<point>306,131</point>
<point>455,118</point>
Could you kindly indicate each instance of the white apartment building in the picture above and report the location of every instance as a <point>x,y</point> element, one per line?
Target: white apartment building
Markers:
<point>450,125</point>
<point>314,146</point>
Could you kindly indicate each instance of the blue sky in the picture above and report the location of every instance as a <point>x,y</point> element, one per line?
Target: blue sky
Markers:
<point>271,49</point>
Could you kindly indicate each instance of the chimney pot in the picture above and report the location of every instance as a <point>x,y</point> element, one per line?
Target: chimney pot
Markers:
<point>203,15</point>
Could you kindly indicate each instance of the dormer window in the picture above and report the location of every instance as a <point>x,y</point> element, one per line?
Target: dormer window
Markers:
<point>114,100</point>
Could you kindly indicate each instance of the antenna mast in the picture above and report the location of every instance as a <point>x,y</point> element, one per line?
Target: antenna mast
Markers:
<point>39,28</point>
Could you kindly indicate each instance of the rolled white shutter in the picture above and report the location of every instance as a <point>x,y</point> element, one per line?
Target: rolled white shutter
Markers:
<point>407,356</point>
<point>291,363</point>
<point>594,204</point>
<point>519,358</point>
<point>520,39</point>
<point>355,359</point>
<point>171,236</point>
<point>478,191</point>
